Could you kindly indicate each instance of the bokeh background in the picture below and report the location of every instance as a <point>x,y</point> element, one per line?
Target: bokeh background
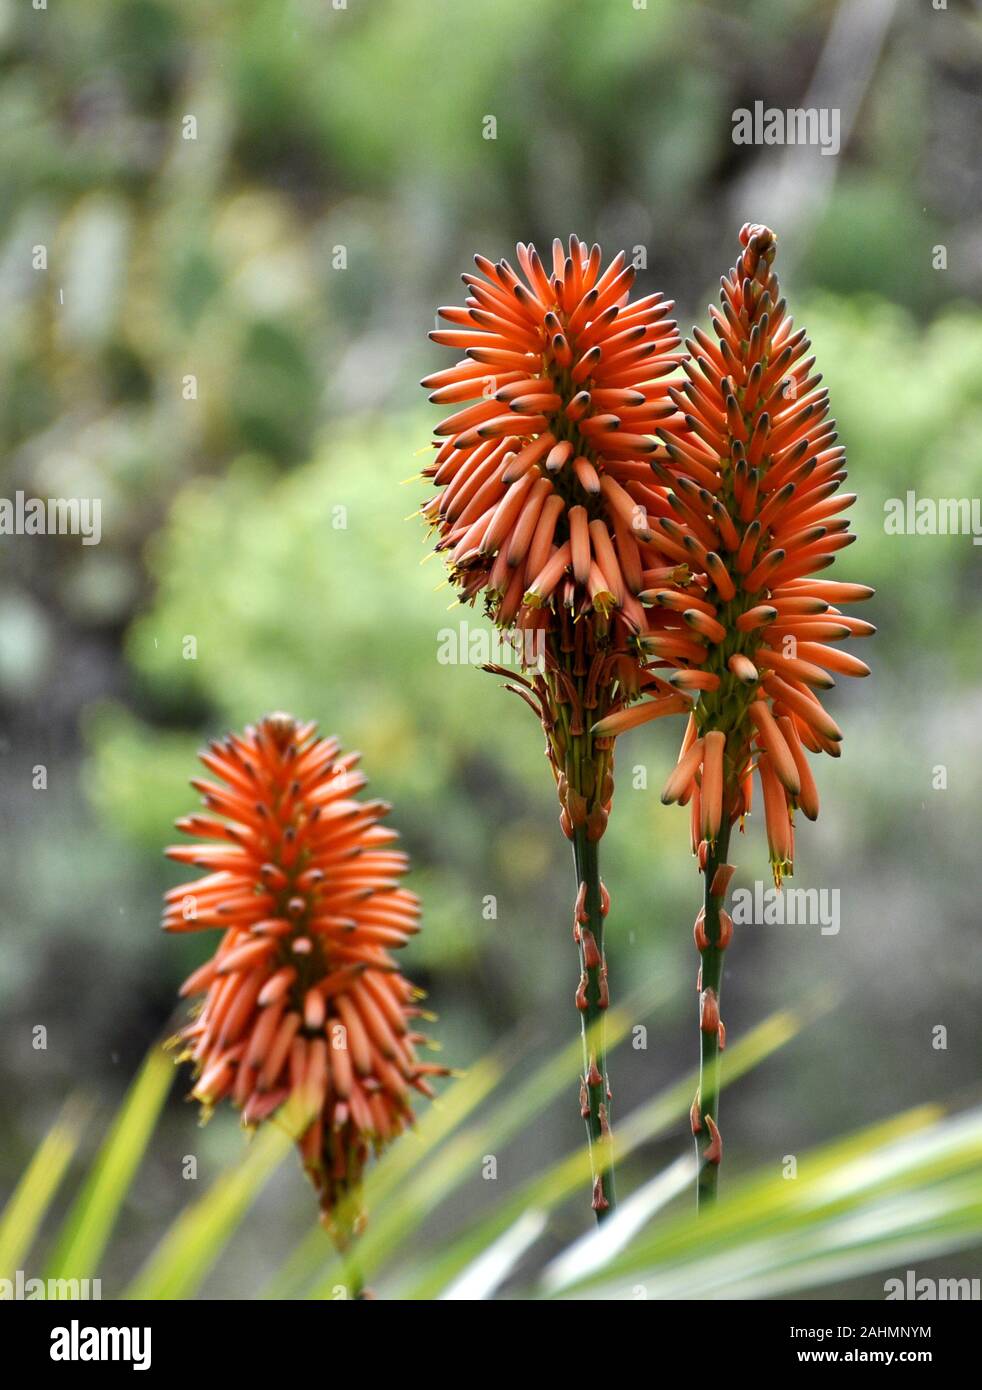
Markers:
<point>289,257</point>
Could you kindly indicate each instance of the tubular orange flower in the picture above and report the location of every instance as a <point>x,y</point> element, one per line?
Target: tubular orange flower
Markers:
<point>302,1000</point>
<point>753,489</point>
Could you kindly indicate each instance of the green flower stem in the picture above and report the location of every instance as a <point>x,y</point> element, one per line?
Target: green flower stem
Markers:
<point>707,1099</point>
<point>592,1002</point>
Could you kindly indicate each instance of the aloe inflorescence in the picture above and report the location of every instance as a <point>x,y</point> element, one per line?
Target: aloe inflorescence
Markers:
<point>542,512</point>
<point>756,510</point>
<point>305,1014</point>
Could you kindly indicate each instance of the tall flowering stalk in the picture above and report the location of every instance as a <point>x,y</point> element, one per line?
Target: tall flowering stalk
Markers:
<point>755,511</point>
<point>544,483</point>
<point>304,1011</point>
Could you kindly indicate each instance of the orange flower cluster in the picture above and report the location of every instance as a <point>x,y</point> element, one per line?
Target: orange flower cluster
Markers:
<point>756,514</point>
<point>659,519</point>
<point>546,487</point>
<point>544,482</point>
<point>302,1000</point>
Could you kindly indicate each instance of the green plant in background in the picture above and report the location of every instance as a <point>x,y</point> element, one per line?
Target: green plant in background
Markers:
<point>269,258</point>
<point>897,1190</point>
<point>86,1230</point>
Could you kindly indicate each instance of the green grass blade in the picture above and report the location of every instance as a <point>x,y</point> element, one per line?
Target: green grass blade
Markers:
<point>90,1221</point>
<point>436,1124</point>
<point>595,1249</point>
<point>923,1233</point>
<point>392,1224</point>
<point>192,1245</point>
<point>856,1204</point>
<point>643,1124</point>
<point>485,1275</point>
<point>30,1199</point>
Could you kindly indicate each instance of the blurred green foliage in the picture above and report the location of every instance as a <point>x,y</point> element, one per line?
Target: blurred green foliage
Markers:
<point>896,1191</point>
<point>289,258</point>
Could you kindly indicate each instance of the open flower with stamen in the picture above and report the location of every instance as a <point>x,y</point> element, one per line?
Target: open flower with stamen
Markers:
<point>303,1006</point>
<point>758,516</point>
<point>544,509</point>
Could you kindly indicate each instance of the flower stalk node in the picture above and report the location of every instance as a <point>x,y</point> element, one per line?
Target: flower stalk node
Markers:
<point>721,880</point>
<point>695,1119</point>
<point>713,1152</point>
<point>591,955</point>
<point>709,1011</point>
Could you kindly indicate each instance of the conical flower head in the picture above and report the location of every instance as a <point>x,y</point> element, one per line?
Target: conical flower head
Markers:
<point>757,512</point>
<point>546,491</point>
<point>544,477</point>
<point>302,1001</point>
